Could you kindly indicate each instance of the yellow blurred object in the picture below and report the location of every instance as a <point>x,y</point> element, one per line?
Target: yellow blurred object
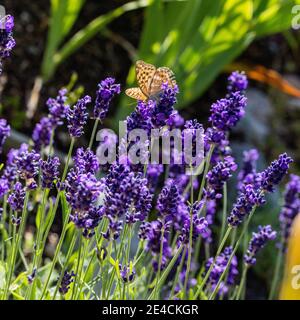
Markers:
<point>290,289</point>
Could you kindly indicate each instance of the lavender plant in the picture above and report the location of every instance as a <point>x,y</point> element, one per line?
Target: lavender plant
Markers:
<point>133,231</point>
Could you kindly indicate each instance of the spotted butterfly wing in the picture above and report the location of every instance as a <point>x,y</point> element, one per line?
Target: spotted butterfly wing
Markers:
<point>144,75</point>
<point>162,75</point>
<point>136,93</point>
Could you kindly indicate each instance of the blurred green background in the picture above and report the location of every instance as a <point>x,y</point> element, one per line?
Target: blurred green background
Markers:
<point>80,42</point>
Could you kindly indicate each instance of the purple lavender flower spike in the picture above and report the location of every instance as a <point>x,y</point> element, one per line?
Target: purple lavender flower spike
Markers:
<point>4,186</point>
<point>49,171</point>
<point>107,89</point>
<point>86,161</point>
<point>152,233</point>
<point>67,279</point>
<point>83,191</point>
<point>218,269</point>
<point>4,132</point>
<point>248,173</point>
<point>290,209</point>
<point>246,201</point>
<point>16,199</point>
<point>77,117</point>
<point>237,81</point>
<point>41,135</point>
<point>257,242</point>
<point>7,42</point>
<point>127,274</point>
<point>27,164</point>
<point>164,108</point>
<point>11,170</point>
<point>58,108</point>
<point>168,201</point>
<point>218,175</point>
<point>273,175</point>
<point>199,224</point>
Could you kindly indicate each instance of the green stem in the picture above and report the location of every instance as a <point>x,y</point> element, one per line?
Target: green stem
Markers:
<point>15,248</point>
<point>38,246</point>
<point>70,250</point>
<point>242,283</point>
<point>57,251</point>
<point>159,260</point>
<point>276,275</point>
<point>77,272</point>
<point>221,246</point>
<point>224,212</point>
<point>166,272</point>
<point>93,133</point>
<point>207,164</point>
<point>214,293</point>
<point>179,268</point>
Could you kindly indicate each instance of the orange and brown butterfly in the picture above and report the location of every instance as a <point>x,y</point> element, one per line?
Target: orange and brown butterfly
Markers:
<point>150,80</point>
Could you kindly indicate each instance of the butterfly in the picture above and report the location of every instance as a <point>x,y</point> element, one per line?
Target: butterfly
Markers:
<point>150,81</point>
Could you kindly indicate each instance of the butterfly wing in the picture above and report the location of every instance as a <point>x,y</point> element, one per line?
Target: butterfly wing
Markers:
<point>162,75</point>
<point>136,93</point>
<point>144,75</point>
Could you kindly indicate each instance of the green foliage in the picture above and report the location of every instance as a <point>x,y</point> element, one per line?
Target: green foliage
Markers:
<point>63,16</point>
<point>197,39</point>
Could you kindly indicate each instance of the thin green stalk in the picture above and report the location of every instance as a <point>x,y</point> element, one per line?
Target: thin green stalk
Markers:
<point>214,293</point>
<point>80,279</point>
<point>77,266</point>
<point>111,279</point>
<point>53,213</point>
<point>221,246</point>
<point>159,260</point>
<point>16,245</point>
<point>188,267</point>
<point>57,251</point>
<point>242,283</point>
<point>274,284</point>
<point>38,246</point>
<point>2,226</point>
<point>179,268</point>
<point>224,214</point>
<point>93,133</point>
<point>166,272</point>
<point>64,267</point>
<point>207,164</point>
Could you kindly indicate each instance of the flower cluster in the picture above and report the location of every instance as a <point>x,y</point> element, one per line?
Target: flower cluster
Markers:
<point>257,242</point>
<point>42,132</point>
<point>16,199</point>
<point>49,171</point>
<point>225,114</point>
<point>4,132</point>
<point>77,117</point>
<point>127,273</point>
<point>7,42</point>
<point>253,193</point>
<point>290,208</point>
<point>27,163</point>
<point>126,194</point>
<point>248,173</point>
<point>107,89</point>
<point>219,266</point>
<point>218,175</point>
<point>237,81</point>
<point>58,108</point>
<point>273,175</point>
<point>67,279</point>
<point>199,225</point>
